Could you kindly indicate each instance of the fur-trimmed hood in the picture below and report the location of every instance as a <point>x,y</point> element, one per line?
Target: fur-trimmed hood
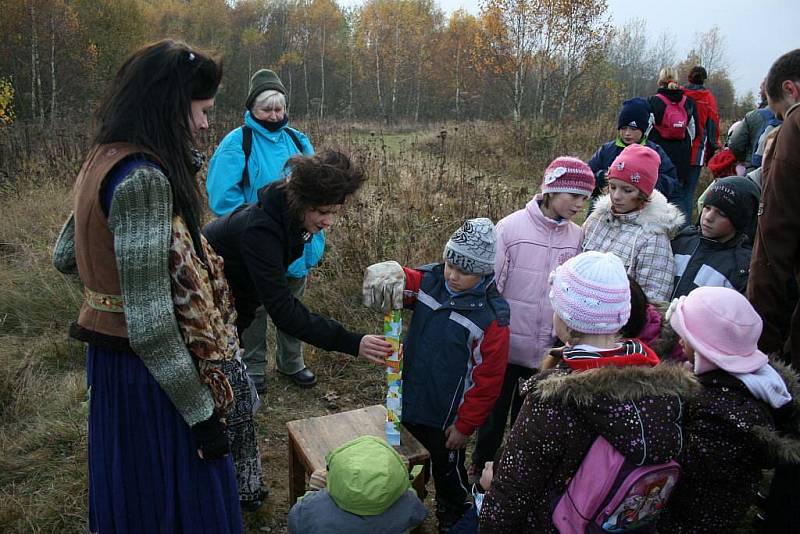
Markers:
<point>638,409</point>
<point>657,216</point>
<point>784,442</point>
<point>615,383</point>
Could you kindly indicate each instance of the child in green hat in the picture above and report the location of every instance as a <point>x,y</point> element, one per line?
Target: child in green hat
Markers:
<point>368,490</point>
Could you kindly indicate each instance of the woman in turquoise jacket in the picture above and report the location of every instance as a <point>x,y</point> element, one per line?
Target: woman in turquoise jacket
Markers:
<point>247,159</point>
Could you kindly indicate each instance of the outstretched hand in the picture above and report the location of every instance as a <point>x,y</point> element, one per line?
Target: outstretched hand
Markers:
<point>375,349</point>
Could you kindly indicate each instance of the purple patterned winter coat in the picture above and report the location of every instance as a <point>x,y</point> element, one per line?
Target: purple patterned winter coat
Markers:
<point>730,438</point>
<point>637,409</point>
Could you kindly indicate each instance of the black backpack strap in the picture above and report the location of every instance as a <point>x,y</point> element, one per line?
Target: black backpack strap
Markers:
<point>247,147</point>
<point>296,139</point>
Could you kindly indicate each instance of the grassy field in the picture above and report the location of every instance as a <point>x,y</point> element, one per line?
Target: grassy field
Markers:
<point>423,182</point>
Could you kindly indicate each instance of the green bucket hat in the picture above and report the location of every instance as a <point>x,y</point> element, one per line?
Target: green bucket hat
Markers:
<point>366,476</point>
<point>263,80</point>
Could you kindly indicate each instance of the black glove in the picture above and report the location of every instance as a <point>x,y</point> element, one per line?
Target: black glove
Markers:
<point>211,438</point>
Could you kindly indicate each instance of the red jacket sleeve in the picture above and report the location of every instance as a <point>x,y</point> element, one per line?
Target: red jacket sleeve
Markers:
<point>413,283</point>
<point>489,359</point>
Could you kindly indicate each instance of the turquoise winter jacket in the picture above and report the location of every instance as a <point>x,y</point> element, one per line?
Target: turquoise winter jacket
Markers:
<point>268,156</point>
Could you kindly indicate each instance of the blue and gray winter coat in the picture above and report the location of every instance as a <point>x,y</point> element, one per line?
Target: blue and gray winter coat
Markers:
<point>455,353</point>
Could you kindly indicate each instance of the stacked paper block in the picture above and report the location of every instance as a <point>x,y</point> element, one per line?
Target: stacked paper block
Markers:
<point>393,329</point>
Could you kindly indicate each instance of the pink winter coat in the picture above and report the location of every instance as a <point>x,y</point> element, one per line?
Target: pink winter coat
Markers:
<point>529,247</point>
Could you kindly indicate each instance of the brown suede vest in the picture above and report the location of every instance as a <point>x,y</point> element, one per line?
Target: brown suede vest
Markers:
<point>94,243</point>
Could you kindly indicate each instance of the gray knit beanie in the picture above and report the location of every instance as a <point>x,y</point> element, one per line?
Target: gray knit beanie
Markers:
<point>263,80</point>
<point>472,247</point>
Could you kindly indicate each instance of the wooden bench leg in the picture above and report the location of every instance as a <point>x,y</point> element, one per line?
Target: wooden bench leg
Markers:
<point>297,474</point>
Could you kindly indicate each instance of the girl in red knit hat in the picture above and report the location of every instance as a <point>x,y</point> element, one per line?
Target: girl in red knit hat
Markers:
<point>635,222</point>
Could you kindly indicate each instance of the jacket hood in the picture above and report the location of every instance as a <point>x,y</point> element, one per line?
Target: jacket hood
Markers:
<point>657,216</point>
<point>635,408</point>
<point>674,95</point>
<point>272,198</point>
<point>615,383</point>
<point>784,442</point>
<point>272,201</point>
<point>699,93</point>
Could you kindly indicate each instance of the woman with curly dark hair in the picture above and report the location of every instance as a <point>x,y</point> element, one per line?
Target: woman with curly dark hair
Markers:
<point>156,316</point>
<point>259,241</point>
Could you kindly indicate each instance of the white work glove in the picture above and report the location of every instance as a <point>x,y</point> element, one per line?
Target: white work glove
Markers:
<point>383,286</point>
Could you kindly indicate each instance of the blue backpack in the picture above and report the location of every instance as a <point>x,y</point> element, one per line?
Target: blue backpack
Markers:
<point>770,122</point>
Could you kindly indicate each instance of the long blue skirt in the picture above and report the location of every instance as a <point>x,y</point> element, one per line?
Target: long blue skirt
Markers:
<point>144,472</point>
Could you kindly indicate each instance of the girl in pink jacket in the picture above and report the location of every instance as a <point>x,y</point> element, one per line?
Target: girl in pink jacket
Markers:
<point>531,243</point>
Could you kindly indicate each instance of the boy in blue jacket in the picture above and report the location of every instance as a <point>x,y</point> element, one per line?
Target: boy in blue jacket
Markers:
<point>455,353</point>
<point>633,125</point>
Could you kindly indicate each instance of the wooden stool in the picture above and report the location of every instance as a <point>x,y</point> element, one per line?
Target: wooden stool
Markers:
<point>311,439</point>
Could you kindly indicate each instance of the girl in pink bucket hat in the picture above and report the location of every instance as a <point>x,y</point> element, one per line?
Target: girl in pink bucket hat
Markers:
<point>635,222</point>
<point>730,427</point>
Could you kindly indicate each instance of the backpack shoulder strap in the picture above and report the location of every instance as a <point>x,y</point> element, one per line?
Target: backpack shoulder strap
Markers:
<point>765,113</point>
<point>247,147</point>
<point>663,98</point>
<point>295,139</point>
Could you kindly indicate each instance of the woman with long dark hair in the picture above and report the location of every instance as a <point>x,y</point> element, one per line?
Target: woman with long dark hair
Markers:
<point>157,315</point>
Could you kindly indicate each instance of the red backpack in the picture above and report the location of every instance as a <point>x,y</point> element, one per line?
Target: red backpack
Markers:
<point>675,120</point>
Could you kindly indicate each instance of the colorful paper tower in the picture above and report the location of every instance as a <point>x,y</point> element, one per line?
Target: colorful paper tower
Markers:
<point>393,329</point>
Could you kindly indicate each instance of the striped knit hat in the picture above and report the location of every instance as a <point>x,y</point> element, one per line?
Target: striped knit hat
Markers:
<point>568,175</point>
<point>591,293</point>
<point>472,247</point>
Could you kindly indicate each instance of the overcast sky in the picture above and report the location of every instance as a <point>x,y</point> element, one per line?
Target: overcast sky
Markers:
<point>756,31</point>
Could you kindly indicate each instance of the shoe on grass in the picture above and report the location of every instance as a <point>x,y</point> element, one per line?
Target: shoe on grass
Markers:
<point>304,378</point>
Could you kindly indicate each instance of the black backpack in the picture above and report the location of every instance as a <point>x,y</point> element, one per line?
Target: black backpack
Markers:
<point>247,147</point>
